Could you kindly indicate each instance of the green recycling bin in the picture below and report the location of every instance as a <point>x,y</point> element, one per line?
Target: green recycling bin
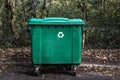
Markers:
<point>56,41</point>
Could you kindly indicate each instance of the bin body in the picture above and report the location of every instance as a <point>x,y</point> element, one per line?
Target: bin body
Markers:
<point>56,40</point>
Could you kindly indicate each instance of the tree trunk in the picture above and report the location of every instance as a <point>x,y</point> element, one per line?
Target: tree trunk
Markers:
<point>48,8</point>
<point>43,8</point>
<point>7,28</point>
<point>33,3</point>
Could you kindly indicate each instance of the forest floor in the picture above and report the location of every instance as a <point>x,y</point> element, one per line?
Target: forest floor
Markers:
<point>97,64</point>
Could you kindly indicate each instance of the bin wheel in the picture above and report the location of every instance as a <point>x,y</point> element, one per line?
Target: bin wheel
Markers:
<point>37,70</point>
<point>74,67</point>
<point>74,70</point>
<point>74,73</point>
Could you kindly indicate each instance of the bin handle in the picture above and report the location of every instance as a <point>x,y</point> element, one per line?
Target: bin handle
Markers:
<point>55,19</point>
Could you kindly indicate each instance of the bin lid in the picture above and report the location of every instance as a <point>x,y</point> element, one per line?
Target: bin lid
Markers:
<point>55,21</point>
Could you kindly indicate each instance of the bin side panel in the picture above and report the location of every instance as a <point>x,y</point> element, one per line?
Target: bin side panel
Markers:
<point>77,44</point>
<point>36,45</point>
<point>56,45</point>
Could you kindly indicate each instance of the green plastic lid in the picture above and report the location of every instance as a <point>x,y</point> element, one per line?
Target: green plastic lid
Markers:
<point>55,21</point>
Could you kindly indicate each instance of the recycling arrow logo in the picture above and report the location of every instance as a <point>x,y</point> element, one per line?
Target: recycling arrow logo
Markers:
<point>60,34</point>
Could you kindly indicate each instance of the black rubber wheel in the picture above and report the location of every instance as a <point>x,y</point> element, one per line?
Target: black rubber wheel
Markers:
<point>37,70</point>
<point>37,73</point>
<point>73,68</point>
<point>74,73</point>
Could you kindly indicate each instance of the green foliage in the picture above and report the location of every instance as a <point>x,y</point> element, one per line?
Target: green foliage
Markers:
<point>102,38</point>
<point>102,19</point>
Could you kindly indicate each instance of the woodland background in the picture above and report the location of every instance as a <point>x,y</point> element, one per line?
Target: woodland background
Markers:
<point>102,32</point>
<point>102,20</point>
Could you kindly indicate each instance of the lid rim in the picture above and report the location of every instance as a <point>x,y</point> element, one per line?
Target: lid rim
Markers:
<point>55,21</point>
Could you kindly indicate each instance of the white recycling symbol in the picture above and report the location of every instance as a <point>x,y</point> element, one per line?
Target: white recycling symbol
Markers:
<point>60,34</point>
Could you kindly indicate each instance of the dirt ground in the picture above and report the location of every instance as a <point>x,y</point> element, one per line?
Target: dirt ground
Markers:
<point>11,71</point>
<point>21,72</point>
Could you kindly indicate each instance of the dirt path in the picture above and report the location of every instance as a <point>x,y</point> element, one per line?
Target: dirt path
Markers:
<point>26,73</point>
<point>98,65</point>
